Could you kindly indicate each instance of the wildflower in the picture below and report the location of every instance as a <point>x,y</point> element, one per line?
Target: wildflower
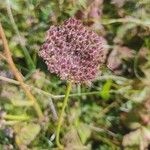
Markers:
<point>73,52</point>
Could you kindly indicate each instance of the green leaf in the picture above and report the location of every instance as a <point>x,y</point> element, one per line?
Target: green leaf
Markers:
<point>21,103</point>
<point>82,3</point>
<point>139,137</point>
<point>122,30</point>
<point>84,132</point>
<point>27,133</point>
<point>106,90</point>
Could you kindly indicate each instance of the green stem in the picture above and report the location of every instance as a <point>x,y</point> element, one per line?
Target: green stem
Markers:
<point>61,115</point>
<point>16,117</point>
<point>127,20</point>
<point>28,58</point>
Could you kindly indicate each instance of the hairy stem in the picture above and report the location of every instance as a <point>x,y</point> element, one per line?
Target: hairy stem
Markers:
<point>17,74</point>
<point>62,114</point>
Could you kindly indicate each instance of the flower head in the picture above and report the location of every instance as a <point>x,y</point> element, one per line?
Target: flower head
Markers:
<point>73,52</point>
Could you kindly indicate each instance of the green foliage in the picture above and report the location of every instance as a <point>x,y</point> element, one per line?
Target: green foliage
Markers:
<point>26,133</point>
<point>105,92</point>
<point>108,114</point>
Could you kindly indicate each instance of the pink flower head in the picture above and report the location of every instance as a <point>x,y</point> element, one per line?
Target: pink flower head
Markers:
<point>73,52</point>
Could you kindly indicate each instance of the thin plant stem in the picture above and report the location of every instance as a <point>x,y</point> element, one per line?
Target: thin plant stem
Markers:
<point>53,110</point>
<point>109,107</point>
<point>127,20</point>
<point>30,87</point>
<point>135,67</point>
<point>62,115</point>
<point>11,122</point>
<point>56,97</point>
<point>2,56</point>
<point>17,74</point>
<point>62,96</point>
<point>28,58</point>
<point>16,117</point>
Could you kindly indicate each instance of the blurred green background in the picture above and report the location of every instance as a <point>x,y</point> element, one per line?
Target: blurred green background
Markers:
<point>112,113</point>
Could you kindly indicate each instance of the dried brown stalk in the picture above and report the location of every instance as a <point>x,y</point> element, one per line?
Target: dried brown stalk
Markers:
<point>17,74</point>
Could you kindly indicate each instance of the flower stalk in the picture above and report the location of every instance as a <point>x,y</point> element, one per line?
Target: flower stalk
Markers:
<point>62,115</point>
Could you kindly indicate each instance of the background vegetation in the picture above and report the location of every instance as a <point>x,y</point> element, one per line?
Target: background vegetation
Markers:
<point>110,114</point>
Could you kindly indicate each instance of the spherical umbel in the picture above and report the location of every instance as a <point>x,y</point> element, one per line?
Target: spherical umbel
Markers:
<point>73,52</point>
